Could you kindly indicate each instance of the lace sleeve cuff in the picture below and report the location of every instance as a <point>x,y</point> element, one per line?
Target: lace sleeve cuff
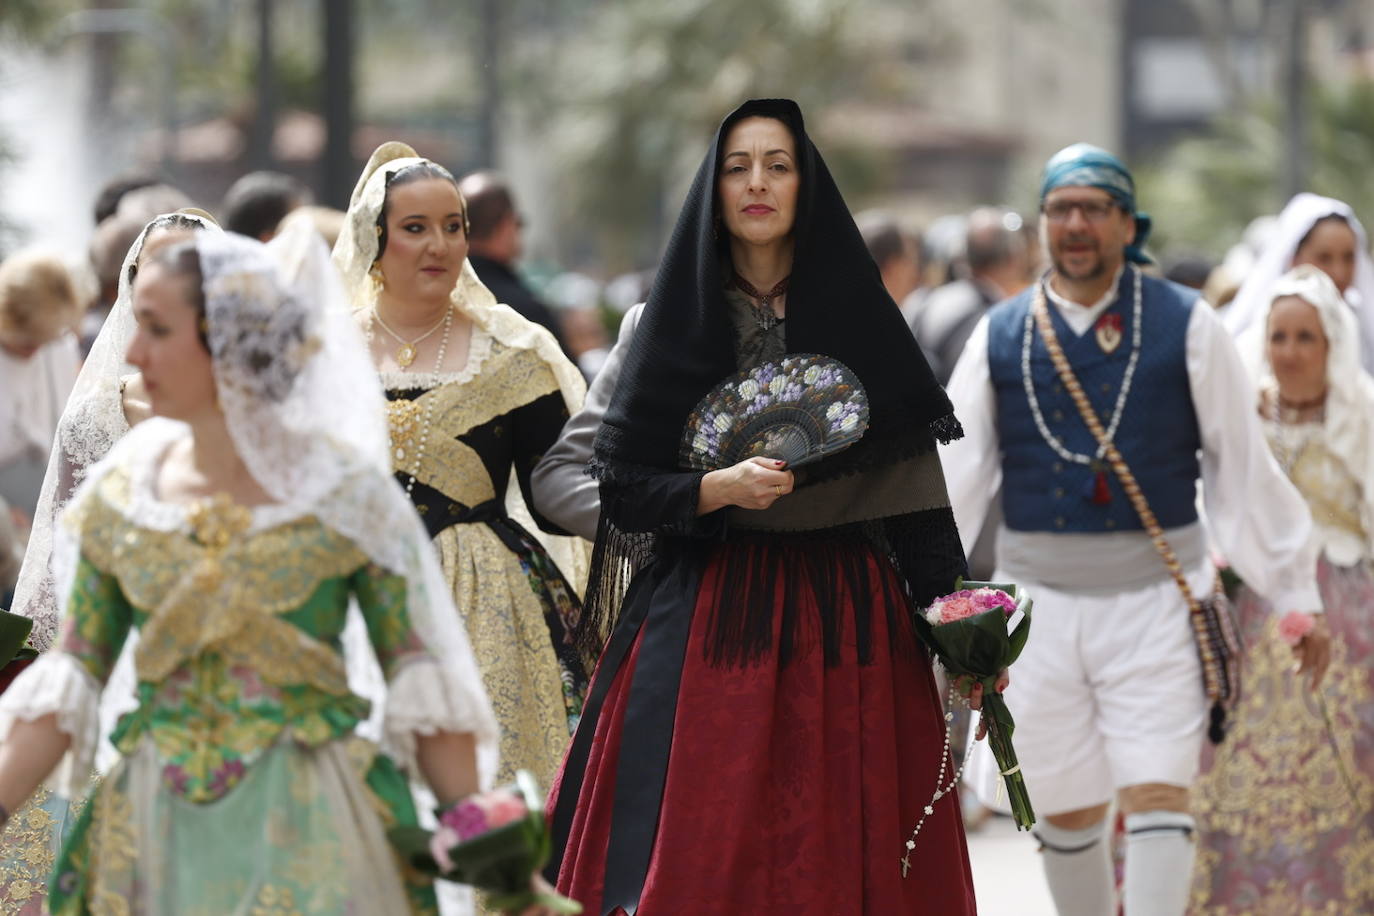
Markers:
<point>56,683</point>
<point>427,697</point>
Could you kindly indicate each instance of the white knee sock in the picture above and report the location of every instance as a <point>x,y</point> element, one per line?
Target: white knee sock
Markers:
<point>1159,863</point>
<point>1078,869</point>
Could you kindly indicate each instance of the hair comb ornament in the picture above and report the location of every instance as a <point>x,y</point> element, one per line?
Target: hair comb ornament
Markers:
<point>800,409</point>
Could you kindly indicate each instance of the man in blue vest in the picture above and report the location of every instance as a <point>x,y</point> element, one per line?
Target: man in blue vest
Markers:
<point>1108,694</point>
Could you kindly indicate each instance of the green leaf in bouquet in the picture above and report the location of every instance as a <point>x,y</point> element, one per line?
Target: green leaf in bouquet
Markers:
<point>14,629</point>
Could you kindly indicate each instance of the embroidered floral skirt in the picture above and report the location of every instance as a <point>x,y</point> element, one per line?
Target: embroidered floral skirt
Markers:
<point>304,832</point>
<point>790,788</point>
<point>29,846</point>
<point>1280,832</point>
<point>518,611</point>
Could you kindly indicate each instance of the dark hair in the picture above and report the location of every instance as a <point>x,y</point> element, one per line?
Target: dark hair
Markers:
<point>107,201</point>
<point>489,202</point>
<point>166,221</point>
<point>1329,218</point>
<point>420,171</point>
<point>183,260</point>
<point>257,202</point>
<point>883,238</point>
<point>723,236</point>
<point>987,246</point>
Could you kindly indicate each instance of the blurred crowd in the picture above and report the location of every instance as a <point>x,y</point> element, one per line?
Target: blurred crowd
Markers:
<point>943,277</point>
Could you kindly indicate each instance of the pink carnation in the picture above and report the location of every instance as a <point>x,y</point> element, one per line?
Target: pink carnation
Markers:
<point>466,819</point>
<point>503,807</point>
<point>952,609</point>
<point>1294,626</point>
<point>968,603</point>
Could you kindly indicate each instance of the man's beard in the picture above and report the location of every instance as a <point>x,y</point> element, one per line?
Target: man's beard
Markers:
<point>1096,269</point>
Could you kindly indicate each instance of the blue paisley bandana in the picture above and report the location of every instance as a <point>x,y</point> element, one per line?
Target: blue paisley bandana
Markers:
<point>1085,165</point>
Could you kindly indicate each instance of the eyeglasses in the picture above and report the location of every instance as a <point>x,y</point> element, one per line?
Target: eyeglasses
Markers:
<point>1094,211</point>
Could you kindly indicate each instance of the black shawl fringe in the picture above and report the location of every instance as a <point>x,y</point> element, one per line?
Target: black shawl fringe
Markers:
<point>775,578</point>
<point>617,558</point>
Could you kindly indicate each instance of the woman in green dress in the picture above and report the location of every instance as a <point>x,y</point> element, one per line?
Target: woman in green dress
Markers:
<point>107,400</point>
<point>218,546</point>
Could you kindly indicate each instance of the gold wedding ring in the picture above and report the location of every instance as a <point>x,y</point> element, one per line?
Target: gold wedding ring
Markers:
<point>777,488</point>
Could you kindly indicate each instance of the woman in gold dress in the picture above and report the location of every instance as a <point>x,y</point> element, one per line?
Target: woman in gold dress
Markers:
<point>1285,808</point>
<point>474,392</point>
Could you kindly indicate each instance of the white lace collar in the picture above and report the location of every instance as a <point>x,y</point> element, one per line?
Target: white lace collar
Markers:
<point>479,349</point>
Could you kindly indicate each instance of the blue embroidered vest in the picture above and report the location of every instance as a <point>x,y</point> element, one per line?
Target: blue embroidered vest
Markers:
<point>1158,433</point>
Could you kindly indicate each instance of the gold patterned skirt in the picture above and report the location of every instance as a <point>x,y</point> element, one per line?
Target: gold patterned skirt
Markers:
<point>1281,831</point>
<point>518,610</point>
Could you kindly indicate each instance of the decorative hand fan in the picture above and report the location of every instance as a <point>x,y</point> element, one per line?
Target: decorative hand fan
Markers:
<point>798,410</point>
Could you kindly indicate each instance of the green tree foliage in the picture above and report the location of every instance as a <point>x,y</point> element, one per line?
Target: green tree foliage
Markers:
<point>1205,190</point>
<point>634,103</point>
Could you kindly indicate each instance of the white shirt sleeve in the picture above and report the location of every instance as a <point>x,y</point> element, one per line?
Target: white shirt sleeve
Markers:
<point>973,464</point>
<point>1255,515</point>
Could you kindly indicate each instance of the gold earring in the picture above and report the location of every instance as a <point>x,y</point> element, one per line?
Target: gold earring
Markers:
<point>378,279</point>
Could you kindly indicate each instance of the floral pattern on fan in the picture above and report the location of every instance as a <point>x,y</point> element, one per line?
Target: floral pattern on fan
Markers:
<point>799,409</point>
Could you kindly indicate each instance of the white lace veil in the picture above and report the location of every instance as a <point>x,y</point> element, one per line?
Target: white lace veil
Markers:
<point>1348,428</point>
<point>1249,310</point>
<point>354,253</point>
<point>92,422</point>
<point>306,415</point>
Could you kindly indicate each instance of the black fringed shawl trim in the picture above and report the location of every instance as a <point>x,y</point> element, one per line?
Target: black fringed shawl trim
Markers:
<point>923,547</point>
<point>756,583</point>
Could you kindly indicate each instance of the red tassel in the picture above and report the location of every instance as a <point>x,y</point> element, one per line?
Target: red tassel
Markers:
<point>1101,494</point>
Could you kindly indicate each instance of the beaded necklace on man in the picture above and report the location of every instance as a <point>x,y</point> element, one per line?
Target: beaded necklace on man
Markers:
<point>1099,492</point>
<point>401,412</point>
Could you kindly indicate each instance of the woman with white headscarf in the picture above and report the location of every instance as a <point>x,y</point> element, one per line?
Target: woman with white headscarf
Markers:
<point>1325,233</point>
<point>219,547</point>
<point>476,395</point>
<point>107,400</point>
<point>1286,808</point>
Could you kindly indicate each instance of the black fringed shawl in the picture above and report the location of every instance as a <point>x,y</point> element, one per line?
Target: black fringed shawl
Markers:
<point>837,306</point>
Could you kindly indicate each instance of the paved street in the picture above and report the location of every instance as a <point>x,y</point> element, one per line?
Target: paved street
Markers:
<point>1006,871</point>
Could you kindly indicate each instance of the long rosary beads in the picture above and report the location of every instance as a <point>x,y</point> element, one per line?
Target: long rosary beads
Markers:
<point>941,788</point>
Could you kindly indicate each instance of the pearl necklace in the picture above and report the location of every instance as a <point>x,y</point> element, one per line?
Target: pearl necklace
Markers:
<point>1028,381</point>
<point>941,787</point>
<point>400,413</point>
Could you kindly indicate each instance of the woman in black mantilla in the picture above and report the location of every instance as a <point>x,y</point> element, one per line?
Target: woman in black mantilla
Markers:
<point>781,723</point>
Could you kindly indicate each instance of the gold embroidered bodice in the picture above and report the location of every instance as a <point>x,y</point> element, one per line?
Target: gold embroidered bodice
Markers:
<point>239,630</point>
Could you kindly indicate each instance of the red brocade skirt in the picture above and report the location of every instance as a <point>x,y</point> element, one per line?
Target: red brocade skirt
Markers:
<point>789,788</point>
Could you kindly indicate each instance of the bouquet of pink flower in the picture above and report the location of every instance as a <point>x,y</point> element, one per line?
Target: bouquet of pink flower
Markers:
<point>973,633</point>
<point>495,841</point>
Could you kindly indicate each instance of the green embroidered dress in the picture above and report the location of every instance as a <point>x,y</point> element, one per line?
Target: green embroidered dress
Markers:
<point>242,788</point>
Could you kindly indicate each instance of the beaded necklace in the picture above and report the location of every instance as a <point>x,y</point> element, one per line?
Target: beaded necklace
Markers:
<point>401,412</point>
<point>763,308</point>
<point>1100,493</point>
